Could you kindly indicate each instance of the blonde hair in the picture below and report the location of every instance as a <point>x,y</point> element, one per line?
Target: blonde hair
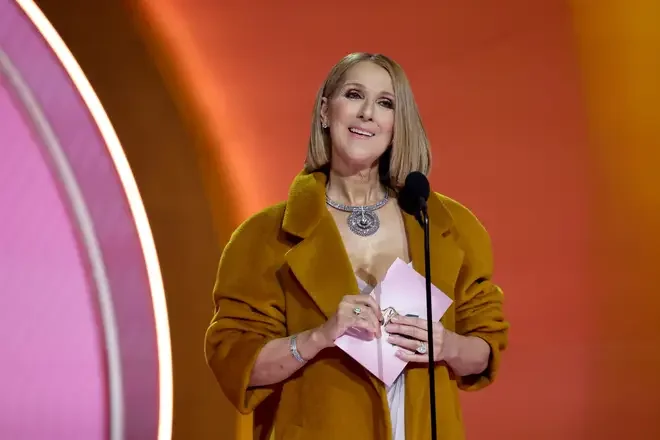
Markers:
<point>409,151</point>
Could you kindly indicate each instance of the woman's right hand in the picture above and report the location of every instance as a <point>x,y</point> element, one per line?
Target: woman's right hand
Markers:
<point>354,311</point>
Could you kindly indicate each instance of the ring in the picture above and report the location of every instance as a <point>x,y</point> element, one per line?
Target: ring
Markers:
<point>422,348</point>
<point>357,311</point>
<point>388,314</point>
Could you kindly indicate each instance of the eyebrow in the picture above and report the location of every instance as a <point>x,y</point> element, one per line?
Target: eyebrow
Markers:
<point>361,86</point>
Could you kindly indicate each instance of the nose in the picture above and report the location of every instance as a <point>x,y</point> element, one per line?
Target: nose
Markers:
<point>366,110</point>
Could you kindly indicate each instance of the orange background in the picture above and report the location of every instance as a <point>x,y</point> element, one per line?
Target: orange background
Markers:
<point>498,87</point>
<point>539,121</point>
<point>543,117</point>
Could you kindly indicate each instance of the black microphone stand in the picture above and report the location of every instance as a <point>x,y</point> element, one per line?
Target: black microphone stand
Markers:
<point>429,315</point>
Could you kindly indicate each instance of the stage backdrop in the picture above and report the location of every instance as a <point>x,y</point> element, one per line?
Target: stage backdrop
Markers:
<point>543,119</point>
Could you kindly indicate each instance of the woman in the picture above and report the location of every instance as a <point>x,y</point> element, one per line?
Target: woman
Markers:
<point>287,281</point>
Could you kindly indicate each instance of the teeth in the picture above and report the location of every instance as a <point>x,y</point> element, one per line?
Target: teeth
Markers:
<point>358,131</point>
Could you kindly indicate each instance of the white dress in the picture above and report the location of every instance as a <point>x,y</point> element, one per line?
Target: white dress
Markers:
<point>396,399</point>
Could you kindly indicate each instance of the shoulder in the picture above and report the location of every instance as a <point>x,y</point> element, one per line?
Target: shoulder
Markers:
<point>259,229</point>
<point>461,215</point>
<point>470,232</point>
<point>263,221</point>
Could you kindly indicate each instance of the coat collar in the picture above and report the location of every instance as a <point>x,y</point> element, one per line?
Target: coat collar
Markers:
<point>320,262</point>
<point>305,207</point>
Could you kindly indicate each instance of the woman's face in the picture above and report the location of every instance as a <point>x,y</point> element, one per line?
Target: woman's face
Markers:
<point>360,117</point>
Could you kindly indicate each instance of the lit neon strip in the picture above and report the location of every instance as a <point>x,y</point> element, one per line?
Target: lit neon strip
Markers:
<point>166,388</point>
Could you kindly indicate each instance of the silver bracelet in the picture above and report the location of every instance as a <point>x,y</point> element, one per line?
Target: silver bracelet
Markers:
<point>293,348</point>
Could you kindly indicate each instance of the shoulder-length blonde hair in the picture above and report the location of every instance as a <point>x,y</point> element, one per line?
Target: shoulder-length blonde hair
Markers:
<point>409,151</point>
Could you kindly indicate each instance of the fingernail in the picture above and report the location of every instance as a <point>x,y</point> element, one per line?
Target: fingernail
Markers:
<point>394,319</point>
<point>390,339</point>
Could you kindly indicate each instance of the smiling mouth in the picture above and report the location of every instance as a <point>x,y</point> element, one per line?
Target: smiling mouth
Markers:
<point>361,133</point>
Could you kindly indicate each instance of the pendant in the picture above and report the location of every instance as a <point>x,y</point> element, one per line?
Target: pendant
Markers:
<point>363,223</point>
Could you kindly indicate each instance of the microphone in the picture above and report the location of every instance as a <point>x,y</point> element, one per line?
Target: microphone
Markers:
<point>412,200</point>
<point>414,194</point>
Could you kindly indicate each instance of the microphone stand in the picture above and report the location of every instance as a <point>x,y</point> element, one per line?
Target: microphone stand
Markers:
<point>429,315</point>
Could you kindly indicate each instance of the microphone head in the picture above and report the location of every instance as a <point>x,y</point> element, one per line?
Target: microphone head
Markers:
<point>415,192</point>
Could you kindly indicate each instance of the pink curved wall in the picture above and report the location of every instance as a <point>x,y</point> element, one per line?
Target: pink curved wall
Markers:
<point>53,371</point>
<point>76,313</point>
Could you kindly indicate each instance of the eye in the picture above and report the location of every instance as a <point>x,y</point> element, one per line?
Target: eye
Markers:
<point>387,103</point>
<point>352,94</point>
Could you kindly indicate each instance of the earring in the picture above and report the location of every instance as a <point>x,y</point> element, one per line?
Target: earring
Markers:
<point>324,125</point>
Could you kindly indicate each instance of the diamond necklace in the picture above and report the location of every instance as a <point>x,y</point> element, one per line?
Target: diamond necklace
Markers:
<point>363,220</point>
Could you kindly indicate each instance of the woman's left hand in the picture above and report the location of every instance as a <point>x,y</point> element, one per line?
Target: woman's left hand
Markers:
<point>415,349</point>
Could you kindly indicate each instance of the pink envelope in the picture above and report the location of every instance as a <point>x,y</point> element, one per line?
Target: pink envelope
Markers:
<point>405,290</point>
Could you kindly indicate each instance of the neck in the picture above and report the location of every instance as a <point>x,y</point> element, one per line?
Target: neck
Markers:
<point>355,189</point>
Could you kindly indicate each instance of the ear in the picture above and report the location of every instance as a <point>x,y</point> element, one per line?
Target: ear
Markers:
<point>324,111</point>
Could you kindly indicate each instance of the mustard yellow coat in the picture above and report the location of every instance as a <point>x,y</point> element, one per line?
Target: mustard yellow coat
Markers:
<point>285,271</point>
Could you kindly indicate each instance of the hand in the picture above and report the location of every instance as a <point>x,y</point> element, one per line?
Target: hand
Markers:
<point>368,318</point>
<point>416,330</point>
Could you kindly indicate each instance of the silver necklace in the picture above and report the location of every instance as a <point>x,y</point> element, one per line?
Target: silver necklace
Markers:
<point>363,220</point>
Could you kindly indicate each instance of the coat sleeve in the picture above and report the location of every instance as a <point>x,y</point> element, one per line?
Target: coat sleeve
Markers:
<point>249,312</point>
<point>479,301</point>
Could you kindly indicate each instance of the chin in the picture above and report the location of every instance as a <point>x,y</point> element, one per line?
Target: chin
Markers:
<point>361,159</point>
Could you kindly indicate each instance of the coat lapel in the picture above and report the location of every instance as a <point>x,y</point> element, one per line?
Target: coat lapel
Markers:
<point>446,255</point>
<point>319,261</point>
